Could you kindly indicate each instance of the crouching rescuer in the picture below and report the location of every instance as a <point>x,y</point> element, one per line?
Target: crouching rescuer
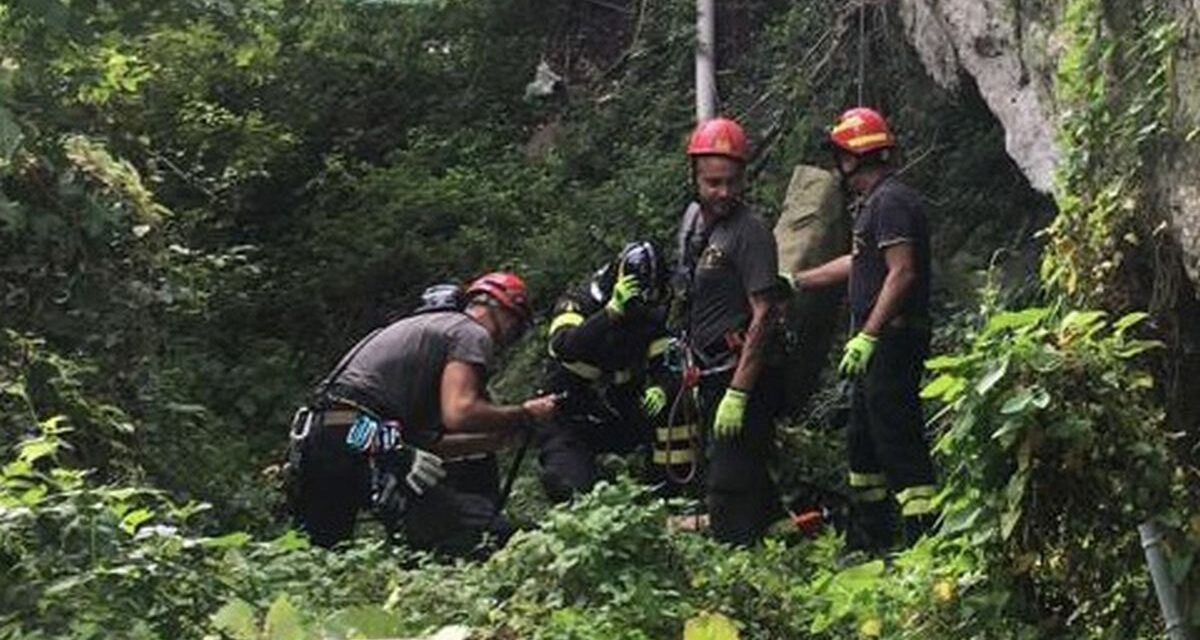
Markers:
<point>405,398</point>
<point>607,345</point>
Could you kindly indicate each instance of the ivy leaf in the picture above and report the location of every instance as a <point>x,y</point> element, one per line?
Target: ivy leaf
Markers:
<point>710,626</point>
<point>283,621</point>
<point>364,622</point>
<point>236,619</point>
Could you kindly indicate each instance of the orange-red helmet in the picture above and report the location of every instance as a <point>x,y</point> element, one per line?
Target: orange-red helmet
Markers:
<point>507,289</point>
<point>860,131</point>
<point>719,137</point>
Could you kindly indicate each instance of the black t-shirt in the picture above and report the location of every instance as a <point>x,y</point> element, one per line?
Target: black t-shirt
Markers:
<point>727,263</point>
<point>892,214</point>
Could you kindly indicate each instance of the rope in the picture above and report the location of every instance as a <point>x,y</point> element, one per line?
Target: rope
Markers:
<point>691,418</point>
<point>862,40</point>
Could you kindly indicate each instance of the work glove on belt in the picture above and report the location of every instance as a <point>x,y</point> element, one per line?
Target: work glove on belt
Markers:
<point>731,414</point>
<point>403,474</point>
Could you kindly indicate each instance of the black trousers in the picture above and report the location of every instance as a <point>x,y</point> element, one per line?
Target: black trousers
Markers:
<point>742,498</point>
<point>458,517</point>
<point>453,517</point>
<point>889,454</point>
<point>569,444</point>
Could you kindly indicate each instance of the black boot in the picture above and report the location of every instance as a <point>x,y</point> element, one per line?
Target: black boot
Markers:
<point>872,527</point>
<point>917,526</point>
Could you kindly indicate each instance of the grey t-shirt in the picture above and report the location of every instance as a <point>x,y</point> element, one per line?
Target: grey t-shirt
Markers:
<point>399,370</point>
<point>727,263</point>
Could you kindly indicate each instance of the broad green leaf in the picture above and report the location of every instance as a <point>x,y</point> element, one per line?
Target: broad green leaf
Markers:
<point>1008,521</point>
<point>1041,398</point>
<point>994,375</point>
<point>1086,321</point>
<point>948,362</point>
<point>710,626</point>
<point>961,520</point>
<point>291,541</point>
<point>135,519</point>
<point>1017,402</point>
<point>1137,347</point>
<point>1128,320</point>
<point>236,619</point>
<point>229,540</point>
<point>940,386</point>
<point>860,576</point>
<point>283,621</point>
<point>364,622</point>
<point>35,449</point>
<point>1007,433</point>
<point>1015,319</point>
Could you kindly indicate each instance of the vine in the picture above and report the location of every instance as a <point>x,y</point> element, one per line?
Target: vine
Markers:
<point>1114,93</point>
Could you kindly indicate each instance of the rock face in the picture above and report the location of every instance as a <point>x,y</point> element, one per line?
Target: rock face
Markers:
<point>1009,60</point>
<point>1010,50</point>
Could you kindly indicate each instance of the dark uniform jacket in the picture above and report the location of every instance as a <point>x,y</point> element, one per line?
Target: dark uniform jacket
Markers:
<point>599,360</point>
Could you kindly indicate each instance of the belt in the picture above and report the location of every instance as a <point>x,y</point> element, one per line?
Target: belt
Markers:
<point>339,417</point>
<point>715,358</point>
<point>341,396</point>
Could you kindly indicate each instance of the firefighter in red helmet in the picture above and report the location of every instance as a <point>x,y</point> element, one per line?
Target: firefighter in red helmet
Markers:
<point>889,278</point>
<point>727,280</point>
<point>403,426</point>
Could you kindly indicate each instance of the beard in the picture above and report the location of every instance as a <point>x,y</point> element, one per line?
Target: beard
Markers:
<point>718,207</point>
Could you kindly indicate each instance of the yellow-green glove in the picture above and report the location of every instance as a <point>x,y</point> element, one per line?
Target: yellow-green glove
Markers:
<point>731,414</point>
<point>625,290</point>
<point>654,400</point>
<point>858,354</point>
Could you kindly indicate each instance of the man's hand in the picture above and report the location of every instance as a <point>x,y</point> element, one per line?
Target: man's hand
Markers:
<point>541,408</point>
<point>857,355</point>
<point>731,414</point>
<point>654,400</point>
<point>624,292</point>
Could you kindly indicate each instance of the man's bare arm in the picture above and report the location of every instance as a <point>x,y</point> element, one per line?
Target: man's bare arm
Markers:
<point>834,272</point>
<point>464,407</point>
<point>901,274</point>
<point>750,362</point>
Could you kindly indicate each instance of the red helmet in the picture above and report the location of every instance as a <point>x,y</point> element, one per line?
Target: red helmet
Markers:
<point>507,289</point>
<point>719,137</point>
<point>860,131</point>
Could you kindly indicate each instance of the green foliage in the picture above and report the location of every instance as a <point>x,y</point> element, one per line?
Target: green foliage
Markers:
<point>202,203</point>
<point>1056,452</point>
<point>1116,94</point>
